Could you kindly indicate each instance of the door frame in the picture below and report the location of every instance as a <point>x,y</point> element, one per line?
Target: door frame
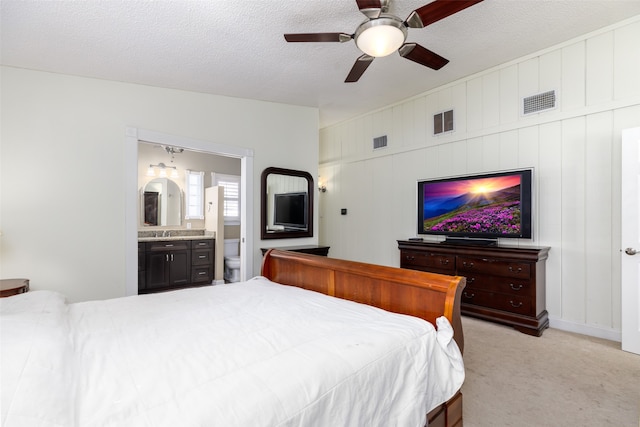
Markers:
<point>135,135</point>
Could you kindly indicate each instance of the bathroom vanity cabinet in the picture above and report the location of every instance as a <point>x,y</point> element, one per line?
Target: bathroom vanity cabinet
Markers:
<point>174,264</point>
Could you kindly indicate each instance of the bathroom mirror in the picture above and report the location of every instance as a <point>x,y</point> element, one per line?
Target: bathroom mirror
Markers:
<point>161,203</point>
<point>286,205</point>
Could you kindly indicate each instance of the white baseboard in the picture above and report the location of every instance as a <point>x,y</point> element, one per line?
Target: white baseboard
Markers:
<point>579,328</point>
<point>218,282</point>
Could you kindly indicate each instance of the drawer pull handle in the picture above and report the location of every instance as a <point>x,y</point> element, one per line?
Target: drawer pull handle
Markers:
<point>202,256</point>
<point>467,264</point>
<point>444,261</point>
<point>167,257</point>
<point>515,287</point>
<point>202,273</point>
<point>515,270</point>
<point>466,295</point>
<point>168,245</point>
<point>202,244</point>
<point>471,279</point>
<point>513,304</point>
<point>171,257</point>
<point>410,257</point>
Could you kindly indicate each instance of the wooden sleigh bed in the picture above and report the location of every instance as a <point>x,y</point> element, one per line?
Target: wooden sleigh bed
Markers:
<point>262,352</point>
<point>420,294</point>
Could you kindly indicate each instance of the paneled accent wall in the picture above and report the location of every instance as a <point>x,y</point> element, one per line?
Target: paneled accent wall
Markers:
<point>574,149</point>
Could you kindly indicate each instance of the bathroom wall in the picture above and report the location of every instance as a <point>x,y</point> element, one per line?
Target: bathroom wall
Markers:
<point>153,154</point>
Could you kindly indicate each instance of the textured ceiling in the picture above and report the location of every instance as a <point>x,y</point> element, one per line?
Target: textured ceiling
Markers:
<point>236,47</point>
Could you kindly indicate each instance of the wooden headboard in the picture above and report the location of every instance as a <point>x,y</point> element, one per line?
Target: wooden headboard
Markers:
<point>416,293</point>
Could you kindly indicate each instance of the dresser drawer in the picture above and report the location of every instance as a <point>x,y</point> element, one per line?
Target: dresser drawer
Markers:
<point>428,261</point>
<point>494,267</point>
<point>202,274</point>
<point>506,285</point>
<point>511,303</point>
<point>201,257</point>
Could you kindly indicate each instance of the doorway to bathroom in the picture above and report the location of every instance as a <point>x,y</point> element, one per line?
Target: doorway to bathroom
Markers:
<point>204,156</point>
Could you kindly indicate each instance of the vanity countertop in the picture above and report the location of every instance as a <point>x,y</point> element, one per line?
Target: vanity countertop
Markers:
<point>157,239</point>
<point>156,236</point>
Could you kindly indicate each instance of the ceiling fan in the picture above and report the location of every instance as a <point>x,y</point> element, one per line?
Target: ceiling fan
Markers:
<point>383,33</point>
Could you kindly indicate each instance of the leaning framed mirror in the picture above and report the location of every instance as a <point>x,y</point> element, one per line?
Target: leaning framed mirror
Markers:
<point>286,204</point>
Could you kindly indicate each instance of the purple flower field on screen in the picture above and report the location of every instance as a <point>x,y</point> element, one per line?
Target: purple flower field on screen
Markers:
<point>503,218</point>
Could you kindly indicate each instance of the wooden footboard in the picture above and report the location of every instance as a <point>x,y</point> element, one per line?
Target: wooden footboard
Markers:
<point>416,293</point>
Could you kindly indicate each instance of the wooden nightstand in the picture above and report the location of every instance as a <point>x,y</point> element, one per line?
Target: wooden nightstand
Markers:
<point>10,287</point>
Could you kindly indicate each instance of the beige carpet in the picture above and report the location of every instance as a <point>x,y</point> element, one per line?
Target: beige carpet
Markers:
<point>559,379</point>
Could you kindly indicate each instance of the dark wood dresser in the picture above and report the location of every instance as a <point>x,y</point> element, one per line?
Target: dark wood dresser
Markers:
<point>505,284</point>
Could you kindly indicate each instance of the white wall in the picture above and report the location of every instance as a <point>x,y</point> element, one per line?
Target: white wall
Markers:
<point>575,150</point>
<point>62,168</point>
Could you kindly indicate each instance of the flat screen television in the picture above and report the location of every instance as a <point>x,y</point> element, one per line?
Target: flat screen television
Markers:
<point>290,210</point>
<point>484,207</point>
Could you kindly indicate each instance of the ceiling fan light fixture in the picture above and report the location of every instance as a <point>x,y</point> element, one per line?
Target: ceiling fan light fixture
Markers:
<point>381,37</point>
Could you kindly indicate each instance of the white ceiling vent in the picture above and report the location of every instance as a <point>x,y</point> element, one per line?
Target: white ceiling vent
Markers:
<point>540,102</point>
<point>380,142</point>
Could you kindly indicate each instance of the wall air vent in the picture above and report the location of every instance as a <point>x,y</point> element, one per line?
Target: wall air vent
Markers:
<point>540,102</point>
<point>443,122</point>
<point>380,142</point>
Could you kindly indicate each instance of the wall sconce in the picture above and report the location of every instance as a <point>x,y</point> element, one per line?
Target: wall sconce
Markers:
<point>321,186</point>
<point>163,170</point>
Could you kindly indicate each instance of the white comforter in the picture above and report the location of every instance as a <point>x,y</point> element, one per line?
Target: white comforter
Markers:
<point>247,354</point>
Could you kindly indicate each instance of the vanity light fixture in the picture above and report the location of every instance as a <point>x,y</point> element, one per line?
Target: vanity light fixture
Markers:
<point>163,170</point>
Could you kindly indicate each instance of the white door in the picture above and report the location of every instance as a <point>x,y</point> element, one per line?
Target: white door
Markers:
<point>630,241</point>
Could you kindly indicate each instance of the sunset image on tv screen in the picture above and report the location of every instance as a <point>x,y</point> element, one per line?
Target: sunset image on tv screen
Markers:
<point>481,205</point>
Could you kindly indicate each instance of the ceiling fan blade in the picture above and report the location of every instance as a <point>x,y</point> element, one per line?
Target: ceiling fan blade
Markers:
<point>358,69</point>
<point>372,8</point>
<point>422,55</point>
<point>318,37</point>
<point>437,10</point>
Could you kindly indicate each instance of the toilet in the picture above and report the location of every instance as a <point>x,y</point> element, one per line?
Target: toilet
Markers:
<point>231,260</point>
